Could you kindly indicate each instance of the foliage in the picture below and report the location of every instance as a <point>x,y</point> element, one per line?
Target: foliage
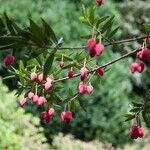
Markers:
<point>102,115</point>
<point>18,130</point>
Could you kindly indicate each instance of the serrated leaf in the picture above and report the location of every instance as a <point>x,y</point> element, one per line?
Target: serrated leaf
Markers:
<point>48,64</point>
<point>107,25</point>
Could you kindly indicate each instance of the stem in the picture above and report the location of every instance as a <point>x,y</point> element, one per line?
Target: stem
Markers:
<point>111,43</point>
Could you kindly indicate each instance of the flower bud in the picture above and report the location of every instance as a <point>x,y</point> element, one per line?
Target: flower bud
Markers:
<point>89,89</point>
<point>41,101</point>
<point>41,78</point>
<point>9,59</point>
<point>99,49</point>
<point>49,79</point>
<point>99,2</point>
<point>61,64</point>
<point>33,76</point>
<point>35,99</point>
<point>91,47</point>
<point>140,67</point>
<point>83,73</point>
<point>43,115</point>
<point>101,71</point>
<point>143,54</point>
<point>48,86</point>
<point>30,95</point>
<point>70,73</point>
<point>68,116</point>
<point>51,111</point>
<point>22,102</point>
<point>63,114</point>
<point>140,132</point>
<point>82,88</point>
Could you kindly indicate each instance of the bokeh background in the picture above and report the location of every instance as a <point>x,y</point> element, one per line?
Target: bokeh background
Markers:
<point>102,127</point>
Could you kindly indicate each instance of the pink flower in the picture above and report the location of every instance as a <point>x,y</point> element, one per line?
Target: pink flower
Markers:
<point>50,80</point>
<point>139,67</point>
<point>83,73</point>
<point>30,95</point>
<point>9,59</point>
<point>68,116</point>
<point>48,86</point>
<point>70,73</point>
<point>61,64</point>
<point>41,101</point>
<point>140,132</point>
<point>143,54</point>
<point>99,2</point>
<point>35,99</point>
<point>51,111</point>
<point>82,88</point>
<point>33,76</point>
<point>48,118</point>
<point>89,89</point>
<point>99,49</point>
<point>43,115</point>
<point>22,102</point>
<point>101,71</point>
<point>41,78</point>
<point>91,47</point>
<point>63,114</point>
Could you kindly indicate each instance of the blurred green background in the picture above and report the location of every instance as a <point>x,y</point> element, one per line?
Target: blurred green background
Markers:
<point>102,126</point>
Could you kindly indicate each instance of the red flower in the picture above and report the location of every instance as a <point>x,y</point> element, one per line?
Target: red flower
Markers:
<point>91,47</point>
<point>9,59</point>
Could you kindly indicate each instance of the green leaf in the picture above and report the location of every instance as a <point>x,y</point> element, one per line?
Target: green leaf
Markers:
<point>136,109</point>
<point>147,26</point>
<point>9,24</point>
<point>36,32</point>
<point>85,36</point>
<point>137,104</point>
<point>48,64</point>
<point>9,46</point>
<point>91,14</point>
<point>72,106</point>
<point>129,117</point>
<point>112,33</point>
<point>49,31</point>
<point>146,118</point>
<point>81,102</point>
<point>84,13</point>
<point>19,92</point>
<point>107,25</point>
<point>100,20</point>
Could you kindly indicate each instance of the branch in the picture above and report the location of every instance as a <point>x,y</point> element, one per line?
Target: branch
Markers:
<point>111,43</point>
<point>103,66</point>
